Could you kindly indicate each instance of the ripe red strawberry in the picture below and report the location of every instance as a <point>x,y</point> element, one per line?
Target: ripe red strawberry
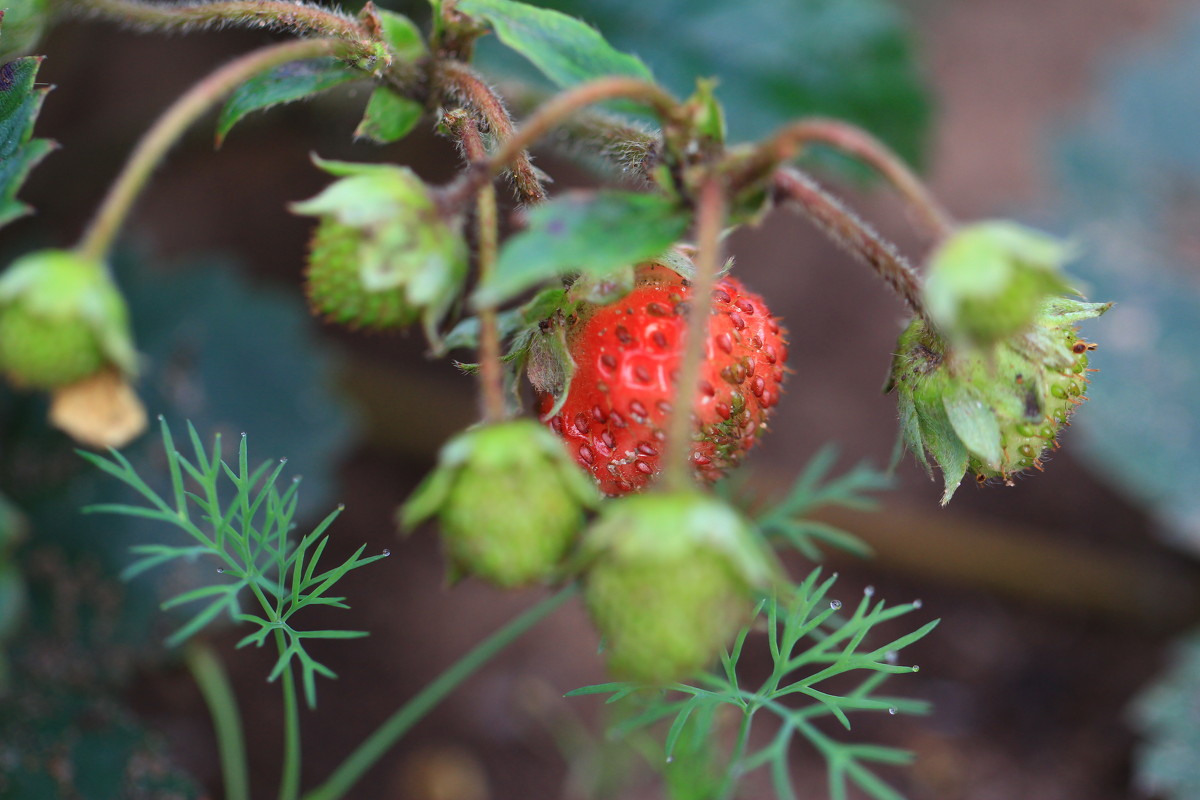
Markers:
<point>627,354</point>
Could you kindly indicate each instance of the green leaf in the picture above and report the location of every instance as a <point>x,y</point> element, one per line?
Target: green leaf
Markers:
<point>20,103</point>
<point>775,61</point>
<point>402,35</point>
<point>584,233</point>
<point>566,50</point>
<point>389,116</point>
<point>284,84</point>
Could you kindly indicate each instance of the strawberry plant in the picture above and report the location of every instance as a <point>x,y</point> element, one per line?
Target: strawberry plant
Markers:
<point>623,371</point>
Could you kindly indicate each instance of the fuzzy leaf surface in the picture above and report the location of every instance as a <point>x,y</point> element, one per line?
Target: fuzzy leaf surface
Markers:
<point>584,233</point>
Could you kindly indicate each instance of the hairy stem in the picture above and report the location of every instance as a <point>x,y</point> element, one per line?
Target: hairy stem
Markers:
<point>218,695</point>
<point>280,15</point>
<point>857,143</point>
<point>845,228</point>
<point>710,219</point>
<point>456,80</point>
<point>289,783</point>
<point>102,230</point>
<point>409,714</point>
<point>595,136</point>
<point>562,106</point>
<point>491,370</point>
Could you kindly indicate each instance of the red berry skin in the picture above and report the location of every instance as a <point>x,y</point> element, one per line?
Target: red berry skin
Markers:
<point>627,356</point>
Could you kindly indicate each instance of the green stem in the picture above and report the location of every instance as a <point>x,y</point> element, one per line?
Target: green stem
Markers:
<point>218,695</point>
<point>733,770</point>
<point>850,232</point>
<point>857,143</point>
<point>378,743</point>
<point>289,783</point>
<point>710,219</point>
<point>102,230</point>
<point>491,369</point>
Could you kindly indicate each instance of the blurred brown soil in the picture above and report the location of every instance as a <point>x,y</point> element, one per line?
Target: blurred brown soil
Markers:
<point>1030,696</point>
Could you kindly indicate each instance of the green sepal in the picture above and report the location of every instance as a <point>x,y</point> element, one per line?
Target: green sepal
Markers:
<point>514,321</point>
<point>20,102</point>
<point>910,433</point>
<point>946,449</point>
<point>389,116</point>
<point>284,84</point>
<point>975,424</point>
<point>550,365</point>
<point>426,499</point>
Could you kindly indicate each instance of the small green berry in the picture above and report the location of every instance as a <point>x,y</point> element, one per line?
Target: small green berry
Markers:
<point>383,254</point>
<point>991,413</point>
<point>509,500</point>
<point>668,581</point>
<point>335,290</point>
<point>61,320</point>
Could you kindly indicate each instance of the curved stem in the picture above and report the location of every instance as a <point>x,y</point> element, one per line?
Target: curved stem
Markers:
<point>491,370</point>
<point>852,234</point>
<point>857,143</point>
<point>218,695</point>
<point>409,714</point>
<point>710,219</point>
<point>98,237</point>
<point>289,783</point>
<point>564,105</point>
<point>296,17</point>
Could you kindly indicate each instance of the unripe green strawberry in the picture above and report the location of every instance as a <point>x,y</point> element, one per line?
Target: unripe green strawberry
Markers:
<point>987,281</point>
<point>509,500</point>
<point>668,581</point>
<point>335,290</point>
<point>383,254</point>
<point>61,320</point>
<point>994,412</point>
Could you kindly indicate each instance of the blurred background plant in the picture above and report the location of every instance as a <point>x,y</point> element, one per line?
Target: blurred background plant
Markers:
<point>1059,602</point>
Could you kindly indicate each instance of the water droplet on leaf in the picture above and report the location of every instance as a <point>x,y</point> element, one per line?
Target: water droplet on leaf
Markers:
<point>387,552</point>
<point>917,604</point>
<point>869,591</point>
<point>835,604</point>
<point>893,711</point>
<point>891,657</point>
<point>916,668</point>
